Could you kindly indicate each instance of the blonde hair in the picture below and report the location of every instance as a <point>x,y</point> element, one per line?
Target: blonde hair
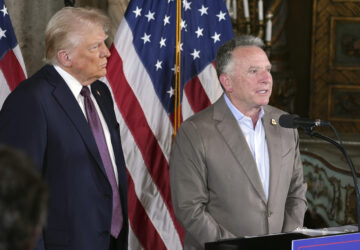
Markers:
<point>66,28</point>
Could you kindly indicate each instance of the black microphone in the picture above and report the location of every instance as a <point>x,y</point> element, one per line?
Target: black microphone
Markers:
<point>294,121</point>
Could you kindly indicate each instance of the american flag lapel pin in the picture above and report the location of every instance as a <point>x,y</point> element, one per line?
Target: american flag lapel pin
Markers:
<point>273,122</point>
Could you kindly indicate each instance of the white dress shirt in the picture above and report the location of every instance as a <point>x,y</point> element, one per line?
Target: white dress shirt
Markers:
<point>256,141</point>
<point>75,87</point>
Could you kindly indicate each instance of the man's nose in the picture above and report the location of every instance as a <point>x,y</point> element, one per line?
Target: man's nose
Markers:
<point>266,76</point>
<point>105,52</point>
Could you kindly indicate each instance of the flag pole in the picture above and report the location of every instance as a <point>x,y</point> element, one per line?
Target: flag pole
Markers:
<point>177,109</point>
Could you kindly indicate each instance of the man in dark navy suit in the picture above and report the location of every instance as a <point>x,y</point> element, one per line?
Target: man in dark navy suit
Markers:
<point>63,117</point>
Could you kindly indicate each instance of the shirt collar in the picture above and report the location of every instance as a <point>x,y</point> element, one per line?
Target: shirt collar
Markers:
<point>74,85</point>
<point>236,113</point>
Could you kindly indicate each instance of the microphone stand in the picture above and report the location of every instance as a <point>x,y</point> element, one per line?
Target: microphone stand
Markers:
<point>310,131</point>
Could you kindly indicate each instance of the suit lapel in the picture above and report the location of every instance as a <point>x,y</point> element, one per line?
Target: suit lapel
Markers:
<point>233,136</point>
<point>103,98</point>
<point>67,101</point>
<point>273,139</point>
<point>100,99</point>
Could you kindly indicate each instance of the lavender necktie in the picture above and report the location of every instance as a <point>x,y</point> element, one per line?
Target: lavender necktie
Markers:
<point>97,130</point>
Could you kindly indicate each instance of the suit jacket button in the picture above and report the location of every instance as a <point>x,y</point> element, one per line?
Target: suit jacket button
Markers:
<point>269,214</point>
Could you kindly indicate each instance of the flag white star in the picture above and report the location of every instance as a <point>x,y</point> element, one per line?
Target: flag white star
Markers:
<point>137,12</point>
<point>221,15</point>
<point>195,54</point>
<point>216,37</point>
<point>199,32</point>
<point>186,5</point>
<point>158,65</point>
<point>170,91</point>
<point>170,1</point>
<point>173,68</point>
<point>162,42</point>
<point>2,33</point>
<point>4,10</point>
<point>150,16</point>
<point>203,10</point>
<point>183,24</point>
<point>146,38</point>
<point>166,20</point>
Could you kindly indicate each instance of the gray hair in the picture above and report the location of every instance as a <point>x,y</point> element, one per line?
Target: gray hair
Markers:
<point>66,28</point>
<point>224,53</point>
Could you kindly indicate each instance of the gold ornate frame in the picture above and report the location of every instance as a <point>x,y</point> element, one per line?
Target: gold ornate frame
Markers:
<point>344,31</point>
<point>344,99</point>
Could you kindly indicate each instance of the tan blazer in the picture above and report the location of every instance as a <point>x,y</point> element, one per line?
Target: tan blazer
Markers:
<point>215,186</point>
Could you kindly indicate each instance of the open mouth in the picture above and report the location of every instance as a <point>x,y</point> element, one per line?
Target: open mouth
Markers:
<point>262,91</point>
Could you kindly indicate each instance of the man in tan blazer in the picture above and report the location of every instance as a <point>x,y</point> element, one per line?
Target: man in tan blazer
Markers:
<point>233,170</point>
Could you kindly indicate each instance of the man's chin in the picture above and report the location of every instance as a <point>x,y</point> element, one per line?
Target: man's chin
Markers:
<point>102,73</point>
<point>264,102</point>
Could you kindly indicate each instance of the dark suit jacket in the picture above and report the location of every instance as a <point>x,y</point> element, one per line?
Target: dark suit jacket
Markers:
<point>215,186</point>
<point>42,117</point>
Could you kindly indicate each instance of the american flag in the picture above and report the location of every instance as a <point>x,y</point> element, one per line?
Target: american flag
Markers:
<point>141,74</point>
<point>12,67</point>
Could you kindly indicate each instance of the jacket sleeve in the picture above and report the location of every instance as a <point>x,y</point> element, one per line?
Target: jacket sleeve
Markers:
<point>23,124</point>
<point>296,204</point>
<point>190,194</point>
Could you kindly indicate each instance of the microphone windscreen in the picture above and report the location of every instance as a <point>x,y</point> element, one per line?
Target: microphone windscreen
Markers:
<point>287,121</point>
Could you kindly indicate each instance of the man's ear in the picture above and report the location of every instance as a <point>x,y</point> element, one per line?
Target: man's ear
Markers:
<point>225,81</point>
<point>64,58</point>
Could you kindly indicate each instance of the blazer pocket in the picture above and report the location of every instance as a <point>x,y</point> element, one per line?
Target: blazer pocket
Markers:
<point>287,149</point>
<point>286,152</point>
<point>56,237</point>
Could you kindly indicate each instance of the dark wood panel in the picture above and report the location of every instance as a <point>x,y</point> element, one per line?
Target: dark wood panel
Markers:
<point>335,64</point>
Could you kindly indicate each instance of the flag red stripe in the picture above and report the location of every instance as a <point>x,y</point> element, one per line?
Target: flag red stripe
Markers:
<point>136,122</point>
<point>196,95</point>
<point>140,222</point>
<point>146,141</point>
<point>12,70</point>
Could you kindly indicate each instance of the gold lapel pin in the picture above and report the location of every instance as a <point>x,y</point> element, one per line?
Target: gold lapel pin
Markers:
<point>273,122</point>
<point>97,92</point>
